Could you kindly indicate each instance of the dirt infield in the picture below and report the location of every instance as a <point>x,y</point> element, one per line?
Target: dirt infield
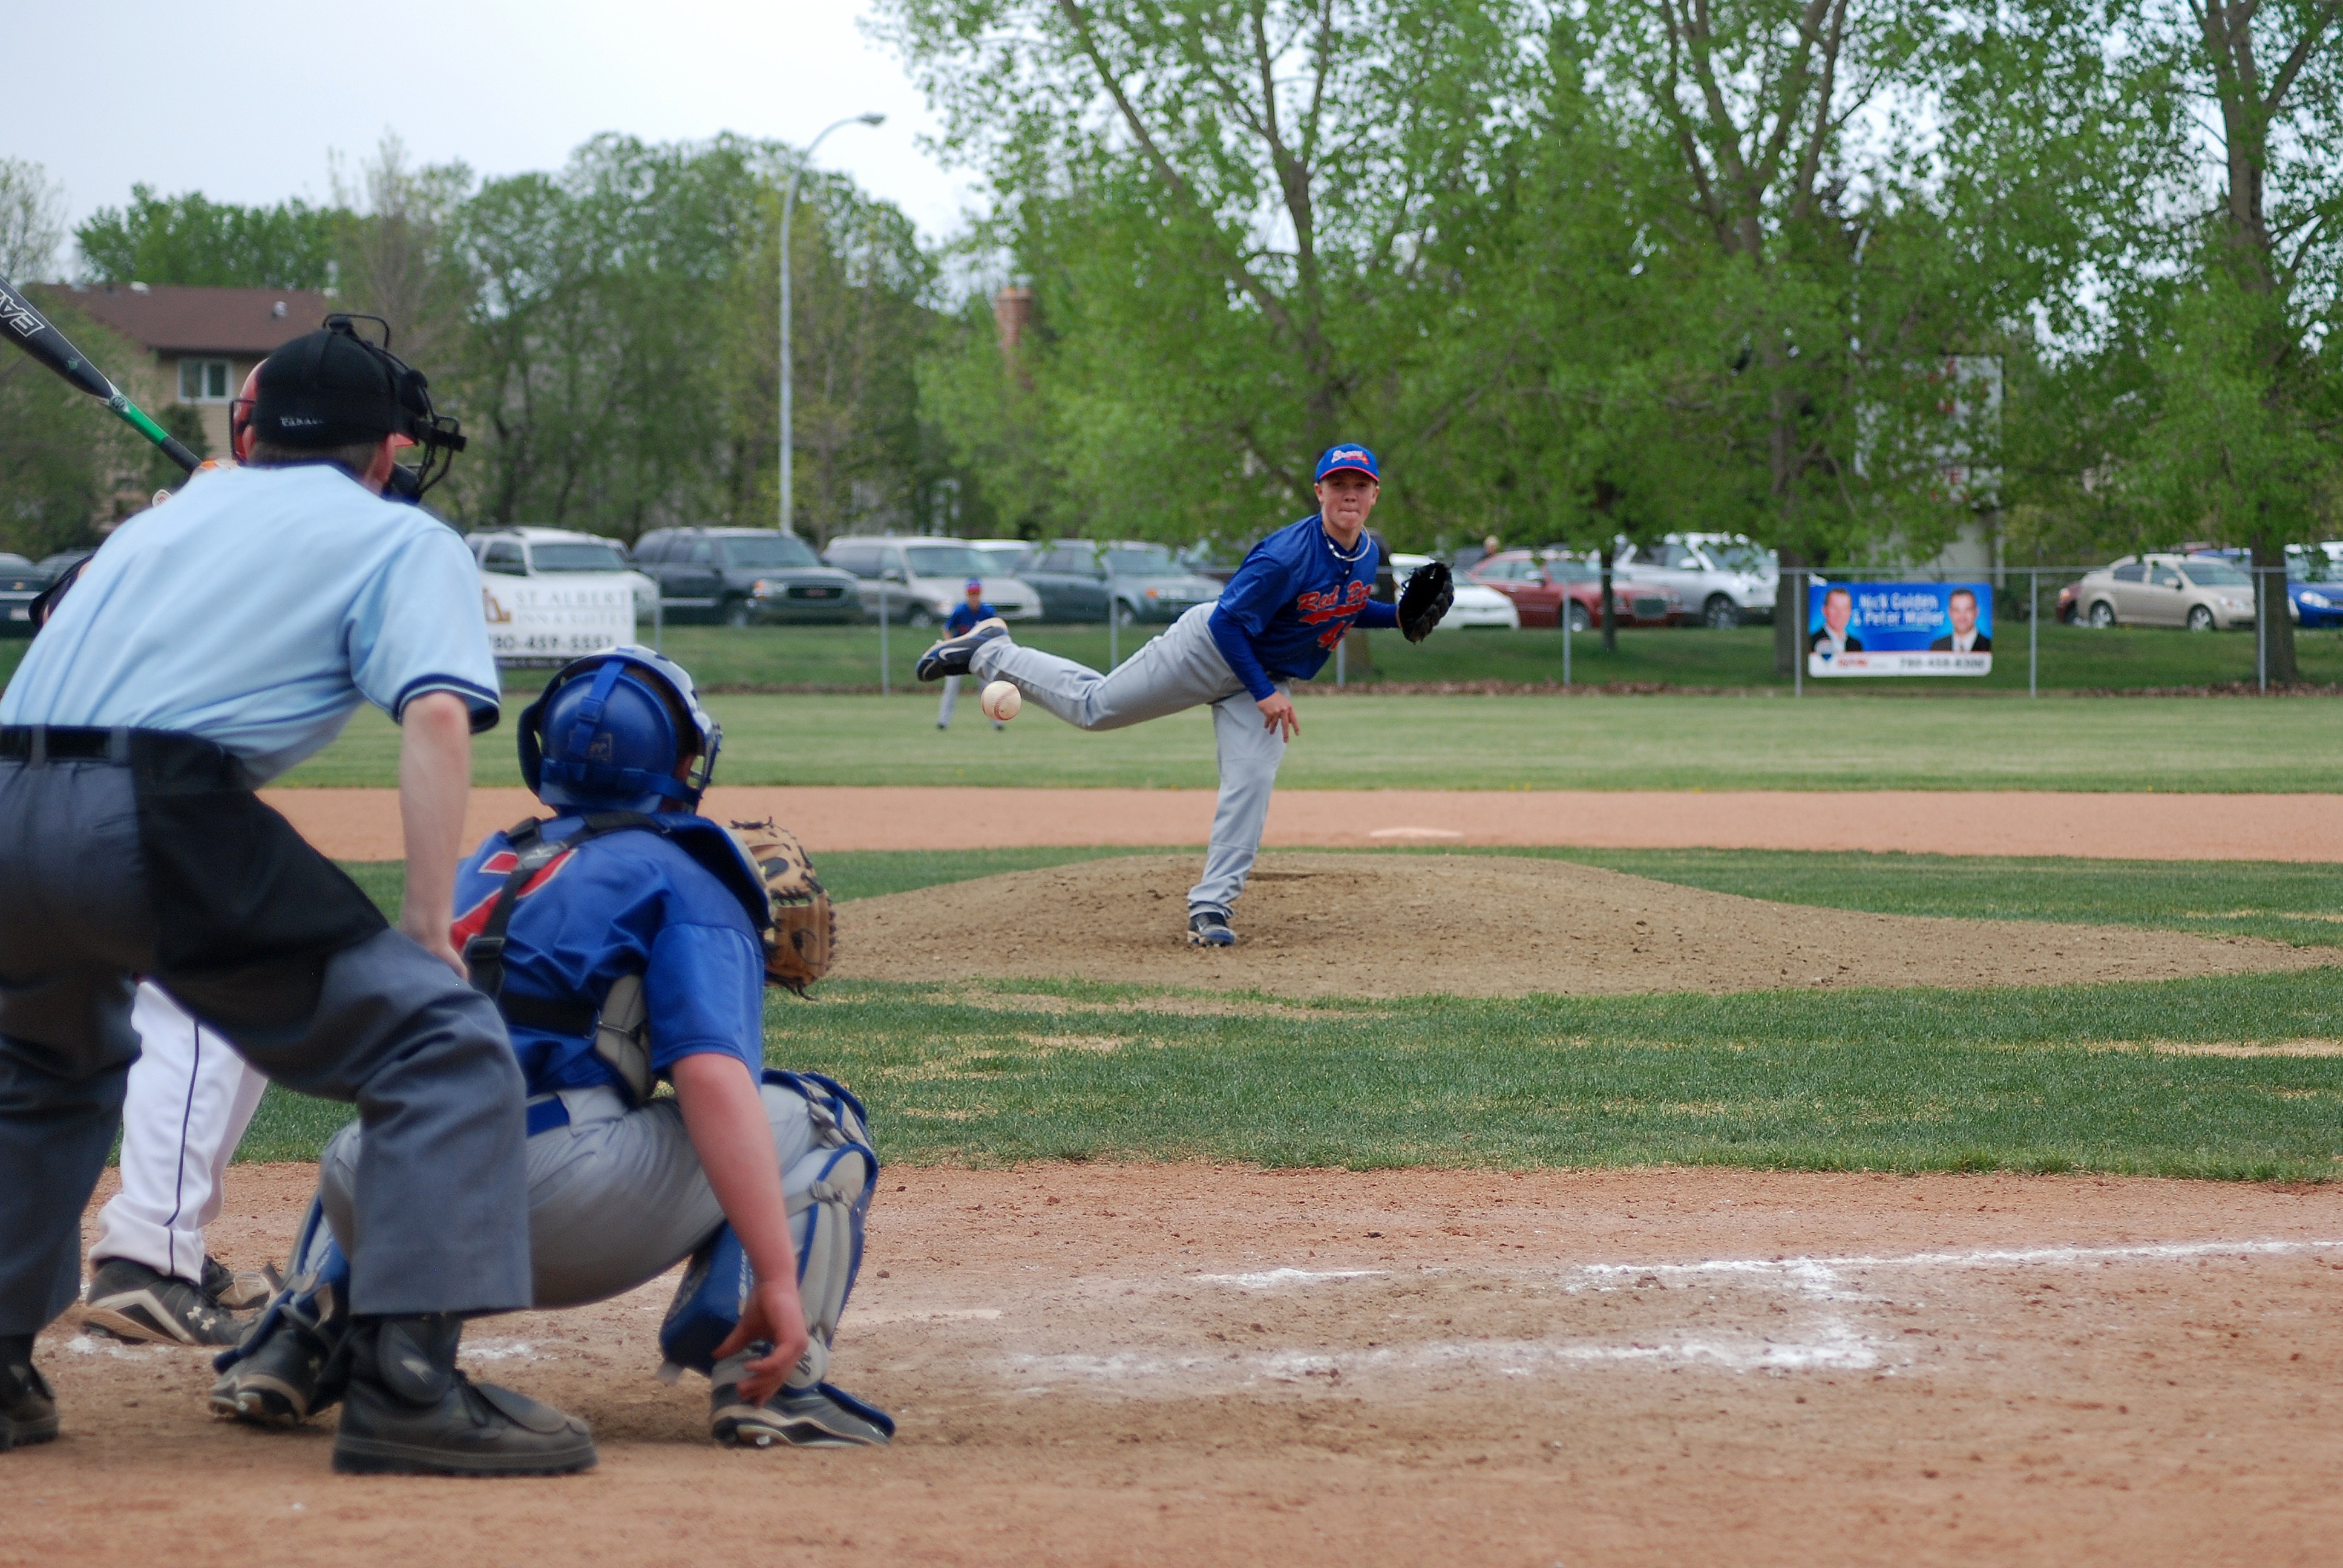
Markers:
<point>1187,1364</point>
<point>363,824</point>
<point>1382,925</point>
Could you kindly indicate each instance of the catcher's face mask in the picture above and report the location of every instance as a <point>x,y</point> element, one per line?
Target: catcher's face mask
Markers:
<point>613,731</point>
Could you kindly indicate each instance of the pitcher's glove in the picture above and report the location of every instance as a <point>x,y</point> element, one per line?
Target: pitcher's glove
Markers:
<point>804,932</point>
<point>1429,593</point>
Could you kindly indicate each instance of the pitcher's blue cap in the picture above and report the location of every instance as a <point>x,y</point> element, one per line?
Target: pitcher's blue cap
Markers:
<point>1356,460</point>
<point>973,584</point>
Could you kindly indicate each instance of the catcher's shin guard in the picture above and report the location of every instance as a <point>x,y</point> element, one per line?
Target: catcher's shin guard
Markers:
<point>829,1190</point>
<point>285,1370</point>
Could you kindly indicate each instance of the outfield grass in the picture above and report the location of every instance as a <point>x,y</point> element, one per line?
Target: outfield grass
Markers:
<point>1511,743</point>
<point>2071,658</point>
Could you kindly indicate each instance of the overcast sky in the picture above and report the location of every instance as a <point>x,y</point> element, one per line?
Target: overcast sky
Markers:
<point>245,101</point>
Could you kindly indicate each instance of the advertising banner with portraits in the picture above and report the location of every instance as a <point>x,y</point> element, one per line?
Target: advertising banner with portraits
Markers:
<point>1899,629</point>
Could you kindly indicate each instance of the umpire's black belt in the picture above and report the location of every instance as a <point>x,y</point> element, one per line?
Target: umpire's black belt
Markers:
<point>165,762</point>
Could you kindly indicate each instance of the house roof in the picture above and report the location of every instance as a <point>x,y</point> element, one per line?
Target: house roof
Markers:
<point>169,318</point>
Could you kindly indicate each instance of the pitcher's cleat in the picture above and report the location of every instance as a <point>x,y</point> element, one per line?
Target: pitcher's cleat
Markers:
<point>950,656</point>
<point>132,1302</point>
<point>816,1417</point>
<point>1210,928</point>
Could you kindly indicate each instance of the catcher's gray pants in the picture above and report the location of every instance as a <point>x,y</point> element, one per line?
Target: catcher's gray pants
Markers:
<point>615,1199</point>
<point>103,872</point>
<point>1179,670</point>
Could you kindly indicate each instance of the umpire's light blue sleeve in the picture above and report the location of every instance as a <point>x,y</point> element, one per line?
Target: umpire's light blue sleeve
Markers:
<point>419,627</point>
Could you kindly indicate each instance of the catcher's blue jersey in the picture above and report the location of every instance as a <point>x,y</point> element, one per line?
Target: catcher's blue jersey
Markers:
<point>632,902</point>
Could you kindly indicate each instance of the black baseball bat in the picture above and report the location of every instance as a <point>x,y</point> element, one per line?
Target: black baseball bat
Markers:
<point>31,331</point>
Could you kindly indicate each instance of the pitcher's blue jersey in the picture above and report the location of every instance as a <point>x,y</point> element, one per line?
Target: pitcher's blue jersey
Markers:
<point>963,620</point>
<point>1291,603</point>
<point>630,902</point>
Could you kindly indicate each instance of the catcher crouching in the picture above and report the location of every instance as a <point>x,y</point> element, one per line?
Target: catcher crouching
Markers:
<point>627,940</point>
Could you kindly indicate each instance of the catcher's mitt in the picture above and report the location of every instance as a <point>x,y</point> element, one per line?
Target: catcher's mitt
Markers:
<point>804,931</point>
<point>1429,592</point>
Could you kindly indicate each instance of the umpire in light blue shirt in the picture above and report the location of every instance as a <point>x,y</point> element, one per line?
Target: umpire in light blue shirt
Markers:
<point>214,641</point>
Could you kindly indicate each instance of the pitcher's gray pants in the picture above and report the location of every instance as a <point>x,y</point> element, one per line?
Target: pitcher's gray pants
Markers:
<point>1179,670</point>
<point>616,1197</point>
<point>439,1224</point>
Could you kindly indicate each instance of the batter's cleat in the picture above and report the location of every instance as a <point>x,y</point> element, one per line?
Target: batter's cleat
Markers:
<point>28,1407</point>
<point>1210,928</point>
<point>816,1417</point>
<point>408,1411</point>
<point>239,1291</point>
<point>279,1382</point>
<point>951,655</point>
<point>132,1302</point>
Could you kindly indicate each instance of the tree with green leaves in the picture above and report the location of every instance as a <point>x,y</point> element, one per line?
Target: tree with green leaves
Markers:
<point>191,239</point>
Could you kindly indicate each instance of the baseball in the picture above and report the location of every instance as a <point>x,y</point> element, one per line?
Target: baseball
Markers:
<point>1001,700</point>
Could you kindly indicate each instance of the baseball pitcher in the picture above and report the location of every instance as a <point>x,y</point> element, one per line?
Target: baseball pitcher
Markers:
<point>1277,622</point>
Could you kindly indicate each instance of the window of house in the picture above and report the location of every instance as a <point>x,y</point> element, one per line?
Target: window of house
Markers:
<point>203,381</point>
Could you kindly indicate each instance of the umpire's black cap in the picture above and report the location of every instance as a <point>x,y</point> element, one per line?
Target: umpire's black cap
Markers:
<point>332,389</point>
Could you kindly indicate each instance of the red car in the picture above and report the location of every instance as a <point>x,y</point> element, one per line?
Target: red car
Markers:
<point>1540,581</point>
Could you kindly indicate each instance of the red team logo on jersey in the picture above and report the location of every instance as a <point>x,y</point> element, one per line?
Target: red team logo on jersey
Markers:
<point>501,864</point>
<point>1338,605</point>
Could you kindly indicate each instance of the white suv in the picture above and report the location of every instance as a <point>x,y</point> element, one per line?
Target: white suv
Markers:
<point>1722,578</point>
<point>919,579</point>
<point>531,552</point>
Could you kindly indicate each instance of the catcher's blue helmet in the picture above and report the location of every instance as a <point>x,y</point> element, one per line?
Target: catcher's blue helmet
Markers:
<point>609,731</point>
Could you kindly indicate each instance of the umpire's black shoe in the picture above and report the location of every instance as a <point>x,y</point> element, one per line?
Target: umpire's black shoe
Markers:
<point>1210,928</point>
<point>950,656</point>
<point>408,1411</point>
<point>132,1302</point>
<point>28,1408</point>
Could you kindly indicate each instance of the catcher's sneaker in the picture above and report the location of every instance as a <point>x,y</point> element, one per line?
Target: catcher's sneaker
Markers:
<point>1210,928</point>
<point>408,1411</point>
<point>239,1289</point>
<point>280,1381</point>
<point>816,1417</point>
<point>28,1408</point>
<point>950,656</point>
<point>132,1302</point>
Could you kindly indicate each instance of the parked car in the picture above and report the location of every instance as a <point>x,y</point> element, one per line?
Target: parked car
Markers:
<point>2314,581</point>
<point>1003,555</point>
<point>1726,578</point>
<point>1475,605</point>
<point>21,583</point>
<point>1080,580</point>
<point>532,552</point>
<point>745,576</point>
<point>919,579</point>
<point>1541,582</point>
<point>2203,593</point>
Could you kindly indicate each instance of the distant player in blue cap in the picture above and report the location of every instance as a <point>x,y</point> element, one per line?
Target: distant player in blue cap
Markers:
<point>1277,622</point>
<point>965,616</point>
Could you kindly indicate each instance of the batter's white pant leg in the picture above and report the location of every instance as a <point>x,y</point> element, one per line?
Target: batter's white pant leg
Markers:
<point>1179,670</point>
<point>189,1100</point>
<point>950,700</point>
<point>1249,753</point>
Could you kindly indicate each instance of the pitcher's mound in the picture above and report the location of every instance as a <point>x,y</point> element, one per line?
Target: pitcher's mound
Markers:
<point>1477,925</point>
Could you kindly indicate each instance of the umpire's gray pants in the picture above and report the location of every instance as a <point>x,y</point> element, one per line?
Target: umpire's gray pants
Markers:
<point>1179,670</point>
<point>615,1199</point>
<point>434,1226</point>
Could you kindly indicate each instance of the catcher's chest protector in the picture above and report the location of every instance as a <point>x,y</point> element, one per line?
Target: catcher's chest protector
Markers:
<point>829,1195</point>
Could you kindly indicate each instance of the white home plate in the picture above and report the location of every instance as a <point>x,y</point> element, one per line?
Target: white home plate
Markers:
<point>1415,836</point>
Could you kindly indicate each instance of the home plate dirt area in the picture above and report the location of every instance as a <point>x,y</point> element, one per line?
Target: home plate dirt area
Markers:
<point>1185,1364</point>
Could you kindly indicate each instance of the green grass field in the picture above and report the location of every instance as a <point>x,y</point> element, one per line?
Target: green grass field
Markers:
<point>1373,742</point>
<point>2072,659</point>
<point>2024,1079</point>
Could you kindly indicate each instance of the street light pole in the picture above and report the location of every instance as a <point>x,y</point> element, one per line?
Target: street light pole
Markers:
<point>789,202</point>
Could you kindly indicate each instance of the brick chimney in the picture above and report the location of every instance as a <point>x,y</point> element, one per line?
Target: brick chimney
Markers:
<point>1013,315</point>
